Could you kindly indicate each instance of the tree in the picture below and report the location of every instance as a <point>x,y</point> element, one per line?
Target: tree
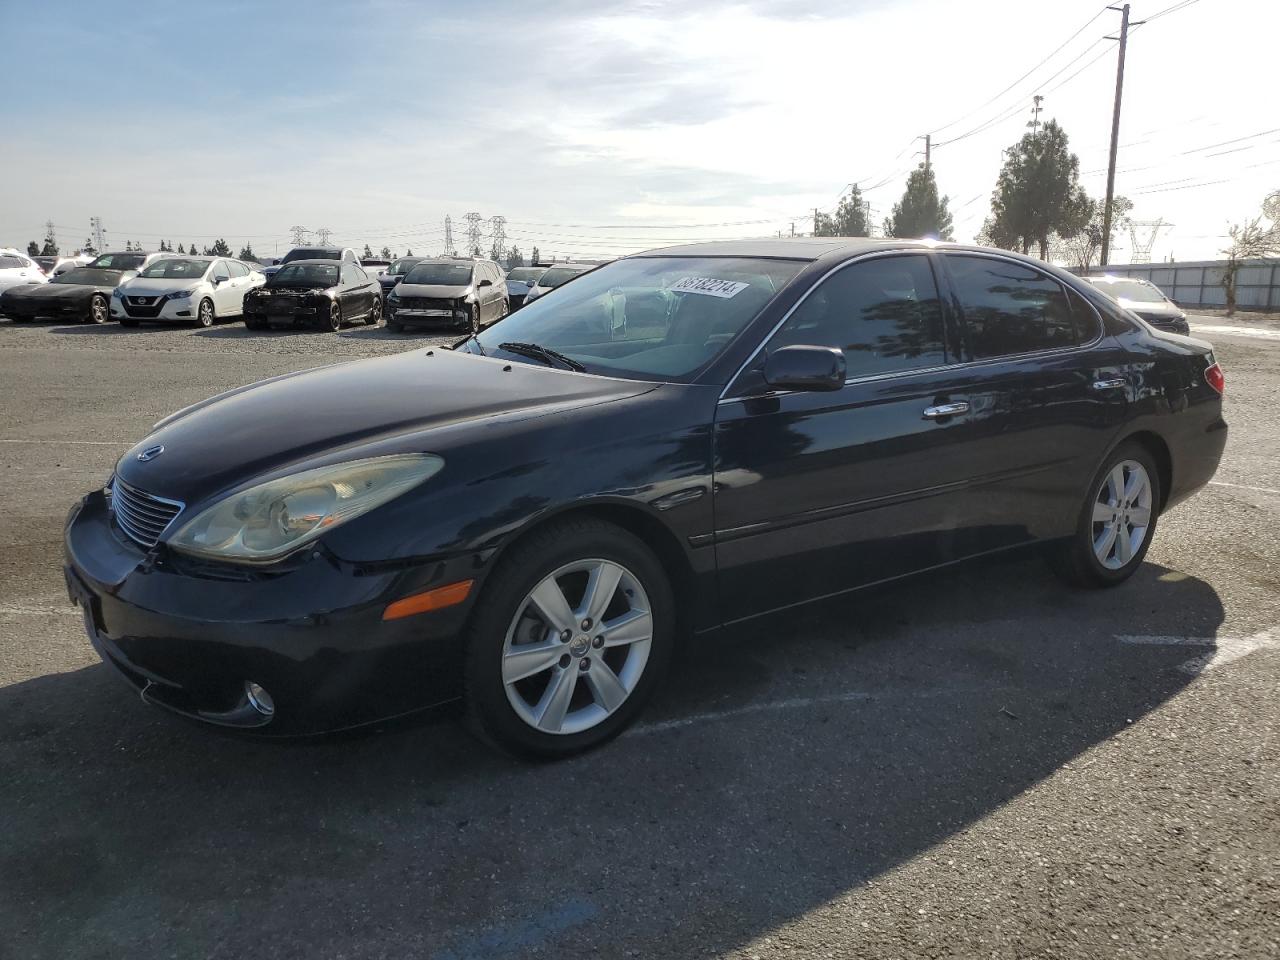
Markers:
<point>88,246</point>
<point>50,248</point>
<point>1038,192</point>
<point>408,252</point>
<point>221,248</point>
<point>514,258</point>
<point>246,253</point>
<point>386,253</point>
<point>180,250</point>
<point>1079,249</point>
<point>33,249</point>
<point>535,257</point>
<point>920,213</point>
<point>191,249</point>
<point>849,220</point>
<point>1249,241</point>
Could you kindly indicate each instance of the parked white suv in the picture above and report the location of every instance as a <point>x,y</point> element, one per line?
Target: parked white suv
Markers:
<point>181,289</point>
<point>17,268</point>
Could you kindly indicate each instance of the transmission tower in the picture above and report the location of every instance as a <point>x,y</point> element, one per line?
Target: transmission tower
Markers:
<point>299,235</point>
<point>49,236</point>
<point>1142,237</point>
<point>449,250</point>
<point>322,236</point>
<point>98,234</point>
<point>498,226</point>
<point>473,234</point>
<point>1271,207</point>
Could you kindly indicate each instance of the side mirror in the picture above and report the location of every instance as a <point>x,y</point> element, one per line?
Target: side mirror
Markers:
<point>485,283</point>
<point>803,367</point>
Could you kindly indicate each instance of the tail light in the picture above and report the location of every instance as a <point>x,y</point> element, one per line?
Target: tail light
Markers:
<point>1214,378</point>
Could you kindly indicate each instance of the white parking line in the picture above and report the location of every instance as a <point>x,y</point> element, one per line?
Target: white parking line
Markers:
<point>67,611</point>
<point>1225,649</point>
<point>1258,333</point>
<point>77,443</point>
<point>1242,486</point>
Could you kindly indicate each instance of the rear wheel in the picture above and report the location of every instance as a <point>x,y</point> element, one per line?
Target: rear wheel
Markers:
<point>204,313</point>
<point>99,312</point>
<point>570,638</point>
<point>474,321</point>
<point>375,313</point>
<point>1117,521</point>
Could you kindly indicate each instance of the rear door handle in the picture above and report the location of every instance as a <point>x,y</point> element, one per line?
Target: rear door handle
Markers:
<point>1114,384</point>
<point>945,410</point>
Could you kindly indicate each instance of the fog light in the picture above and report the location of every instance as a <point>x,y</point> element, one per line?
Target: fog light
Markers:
<point>259,699</point>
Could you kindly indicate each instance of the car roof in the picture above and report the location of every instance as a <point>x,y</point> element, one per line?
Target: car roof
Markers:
<point>1113,278</point>
<point>788,248</point>
<point>315,262</point>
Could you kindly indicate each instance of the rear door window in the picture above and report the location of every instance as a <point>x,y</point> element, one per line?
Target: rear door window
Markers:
<point>238,269</point>
<point>1009,308</point>
<point>884,314</point>
<point>220,271</point>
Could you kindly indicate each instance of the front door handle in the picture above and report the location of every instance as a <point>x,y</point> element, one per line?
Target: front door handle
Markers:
<point>1113,384</point>
<point>943,410</point>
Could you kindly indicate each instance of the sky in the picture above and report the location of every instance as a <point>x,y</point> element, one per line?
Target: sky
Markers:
<point>596,128</point>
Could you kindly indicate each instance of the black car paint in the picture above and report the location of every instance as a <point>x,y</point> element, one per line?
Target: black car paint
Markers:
<point>279,301</point>
<point>58,300</point>
<point>752,498</point>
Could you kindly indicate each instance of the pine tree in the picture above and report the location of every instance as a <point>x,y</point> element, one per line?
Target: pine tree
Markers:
<point>33,249</point>
<point>246,252</point>
<point>1038,192</point>
<point>368,253</point>
<point>535,257</point>
<point>920,213</point>
<point>50,248</point>
<point>514,258</point>
<point>849,220</point>
<point>192,248</point>
<point>408,252</point>
<point>386,253</point>
<point>180,250</point>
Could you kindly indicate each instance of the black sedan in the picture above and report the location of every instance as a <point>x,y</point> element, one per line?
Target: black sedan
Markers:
<point>535,521</point>
<point>81,294</point>
<point>322,294</point>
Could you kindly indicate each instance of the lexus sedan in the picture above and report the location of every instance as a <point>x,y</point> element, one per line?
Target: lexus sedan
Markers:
<point>1146,300</point>
<point>535,521</point>
<point>179,289</point>
<point>448,292</point>
<point>323,294</point>
<point>82,294</point>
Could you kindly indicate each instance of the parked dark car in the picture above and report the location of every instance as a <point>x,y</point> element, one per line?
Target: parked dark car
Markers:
<point>1146,300</point>
<point>454,293</point>
<point>323,294</point>
<point>345,254</point>
<point>554,276</point>
<point>396,273</point>
<point>520,280</point>
<point>82,294</point>
<point>675,442</point>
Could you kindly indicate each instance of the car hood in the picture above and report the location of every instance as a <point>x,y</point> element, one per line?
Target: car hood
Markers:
<point>1148,309</point>
<point>59,291</point>
<point>407,402</point>
<point>439,291</point>
<point>149,287</point>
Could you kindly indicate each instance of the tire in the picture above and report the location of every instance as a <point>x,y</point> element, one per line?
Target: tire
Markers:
<point>99,311</point>
<point>334,323</point>
<point>474,323</point>
<point>375,313</point>
<point>128,322</point>
<point>1094,557</point>
<point>204,314</point>
<point>504,709</point>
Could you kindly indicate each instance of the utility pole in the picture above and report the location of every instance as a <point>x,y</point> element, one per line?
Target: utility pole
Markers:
<point>322,235</point>
<point>449,251</point>
<point>1115,134</point>
<point>793,229</point>
<point>815,221</point>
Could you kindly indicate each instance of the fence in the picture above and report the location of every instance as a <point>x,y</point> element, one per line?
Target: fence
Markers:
<point>1199,283</point>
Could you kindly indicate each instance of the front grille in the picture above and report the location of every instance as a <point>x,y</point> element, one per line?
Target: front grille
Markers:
<point>145,308</point>
<point>425,303</point>
<point>142,516</point>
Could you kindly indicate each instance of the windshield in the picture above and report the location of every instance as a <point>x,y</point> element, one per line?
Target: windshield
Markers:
<point>176,268</point>
<point>119,261</point>
<point>305,274</point>
<point>441,274</point>
<point>312,253</point>
<point>526,273</point>
<point>652,318</point>
<point>1131,290</point>
<point>402,266</point>
<point>556,276</point>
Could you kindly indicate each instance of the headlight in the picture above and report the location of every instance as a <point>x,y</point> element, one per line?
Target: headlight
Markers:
<point>267,521</point>
<point>180,295</point>
<point>116,294</point>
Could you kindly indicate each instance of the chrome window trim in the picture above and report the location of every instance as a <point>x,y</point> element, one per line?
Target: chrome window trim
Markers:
<point>959,365</point>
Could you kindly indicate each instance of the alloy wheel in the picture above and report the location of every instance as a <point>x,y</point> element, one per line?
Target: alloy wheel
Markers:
<point>335,318</point>
<point>577,646</point>
<point>205,315</point>
<point>1121,514</point>
<point>98,310</point>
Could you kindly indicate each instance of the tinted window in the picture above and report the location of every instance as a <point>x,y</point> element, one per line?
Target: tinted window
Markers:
<point>237,268</point>
<point>884,314</point>
<point>437,273</point>
<point>305,274</point>
<point>1087,323</point>
<point>175,268</point>
<point>119,261</point>
<point>311,253</point>
<point>1009,308</point>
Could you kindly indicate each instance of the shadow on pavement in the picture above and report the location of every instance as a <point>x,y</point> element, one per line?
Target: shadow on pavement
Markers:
<point>786,765</point>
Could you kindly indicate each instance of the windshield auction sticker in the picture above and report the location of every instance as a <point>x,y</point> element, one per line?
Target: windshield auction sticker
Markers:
<point>709,287</point>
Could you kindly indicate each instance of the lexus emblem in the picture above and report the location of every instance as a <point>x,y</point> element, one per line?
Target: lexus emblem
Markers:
<point>151,452</point>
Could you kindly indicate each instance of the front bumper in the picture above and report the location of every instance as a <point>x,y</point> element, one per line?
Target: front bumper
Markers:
<point>44,309</point>
<point>449,319</point>
<point>303,312</point>
<point>162,309</point>
<point>188,639</point>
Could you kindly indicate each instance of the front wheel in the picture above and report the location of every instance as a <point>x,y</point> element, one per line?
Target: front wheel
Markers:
<point>474,319</point>
<point>99,312</point>
<point>375,313</point>
<point>335,317</point>
<point>1117,521</point>
<point>570,638</point>
<point>204,314</point>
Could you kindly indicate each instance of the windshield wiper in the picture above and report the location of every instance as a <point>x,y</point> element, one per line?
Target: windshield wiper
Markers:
<point>538,352</point>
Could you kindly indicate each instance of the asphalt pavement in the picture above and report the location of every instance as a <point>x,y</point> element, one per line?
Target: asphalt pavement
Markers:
<point>980,762</point>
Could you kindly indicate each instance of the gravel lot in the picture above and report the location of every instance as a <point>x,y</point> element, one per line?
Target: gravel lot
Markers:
<point>977,763</point>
